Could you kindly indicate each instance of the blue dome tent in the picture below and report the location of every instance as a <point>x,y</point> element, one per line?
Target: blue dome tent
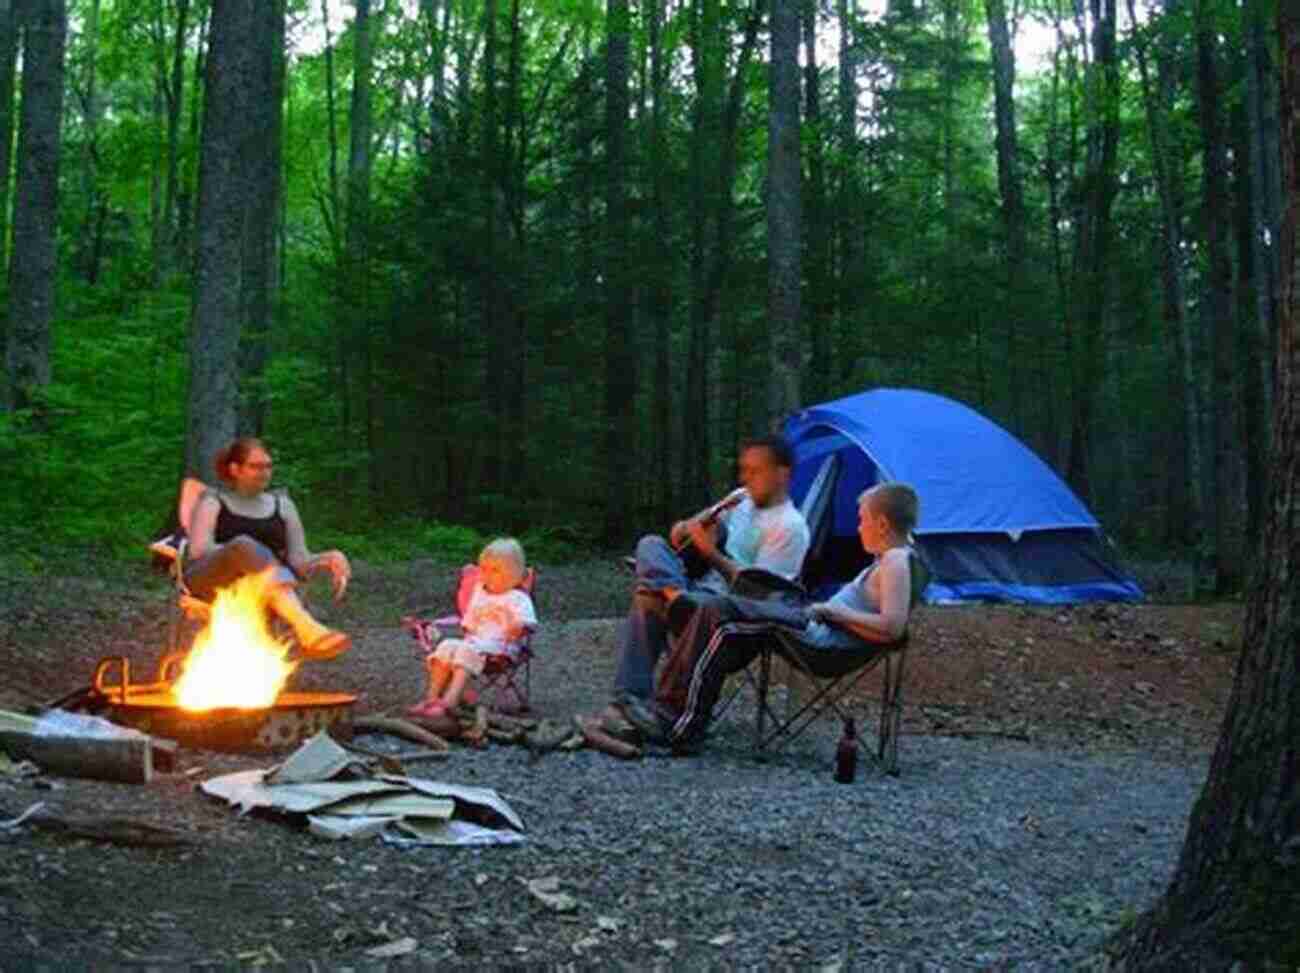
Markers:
<point>997,524</point>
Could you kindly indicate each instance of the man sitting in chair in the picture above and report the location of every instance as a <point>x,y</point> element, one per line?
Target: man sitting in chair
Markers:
<point>762,529</point>
<point>873,607</point>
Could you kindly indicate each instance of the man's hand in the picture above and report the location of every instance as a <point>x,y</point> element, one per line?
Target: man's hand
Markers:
<point>704,537</point>
<point>823,611</point>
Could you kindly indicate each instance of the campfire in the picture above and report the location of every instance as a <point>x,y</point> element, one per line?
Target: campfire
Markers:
<point>230,692</point>
<point>236,661</point>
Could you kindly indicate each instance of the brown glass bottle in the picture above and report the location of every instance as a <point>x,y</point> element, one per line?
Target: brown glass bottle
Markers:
<point>846,754</point>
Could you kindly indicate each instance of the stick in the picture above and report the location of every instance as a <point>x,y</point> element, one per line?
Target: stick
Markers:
<point>399,728</point>
<point>544,739</point>
<point>118,831</point>
<point>598,738</point>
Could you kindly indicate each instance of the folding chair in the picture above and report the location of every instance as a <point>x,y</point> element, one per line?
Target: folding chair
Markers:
<point>833,676</point>
<point>170,551</point>
<point>501,671</point>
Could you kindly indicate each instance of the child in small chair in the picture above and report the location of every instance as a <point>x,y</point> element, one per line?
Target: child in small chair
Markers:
<point>499,615</point>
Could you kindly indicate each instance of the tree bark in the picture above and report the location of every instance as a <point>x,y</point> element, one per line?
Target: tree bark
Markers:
<point>1215,219</point>
<point>90,241</point>
<point>620,357</point>
<point>174,96</point>
<point>259,284</point>
<point>33,264</point>
<point>222,211</point>
<point>356,275</point>
<point>1234,900</point>
<point>9,28</point>
<point>784,214</point>
<point>660,295</point>
<point>1010,187</point>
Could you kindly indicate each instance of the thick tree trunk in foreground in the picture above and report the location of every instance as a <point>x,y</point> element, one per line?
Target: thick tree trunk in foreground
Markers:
<point>1235,897</point>
<point>34,262</point>
<point>214,331</point>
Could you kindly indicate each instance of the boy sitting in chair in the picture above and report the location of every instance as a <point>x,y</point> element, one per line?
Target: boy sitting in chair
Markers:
<point>874,607</point>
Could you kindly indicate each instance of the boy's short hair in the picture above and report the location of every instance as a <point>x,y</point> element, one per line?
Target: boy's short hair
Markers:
<point>780,449</point>
<point>505,548</point>
<point>897,501</point>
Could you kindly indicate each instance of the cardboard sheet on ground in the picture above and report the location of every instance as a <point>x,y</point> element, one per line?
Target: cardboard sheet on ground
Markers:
<point>401,809</point>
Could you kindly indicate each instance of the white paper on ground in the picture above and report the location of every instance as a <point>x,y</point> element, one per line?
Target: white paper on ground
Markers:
<point>414,832</point>
<point>482,796</point>
<point>318,759</point>
<point>338,827</point>
<point>246,790</point>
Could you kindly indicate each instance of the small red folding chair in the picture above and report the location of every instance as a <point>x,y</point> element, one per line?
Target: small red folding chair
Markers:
<point>501,670</point>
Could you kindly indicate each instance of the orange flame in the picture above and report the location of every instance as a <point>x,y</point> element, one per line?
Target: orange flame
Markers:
<point>236,661</point>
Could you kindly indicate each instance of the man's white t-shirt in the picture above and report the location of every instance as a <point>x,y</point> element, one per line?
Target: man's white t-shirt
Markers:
<point>774,538</point>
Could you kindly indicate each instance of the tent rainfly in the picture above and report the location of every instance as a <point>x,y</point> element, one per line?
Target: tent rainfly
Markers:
<point>996,524</point>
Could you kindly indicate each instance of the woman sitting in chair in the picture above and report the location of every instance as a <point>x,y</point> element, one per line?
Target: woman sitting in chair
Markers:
<point>241,528</point>
<point>873,607</point>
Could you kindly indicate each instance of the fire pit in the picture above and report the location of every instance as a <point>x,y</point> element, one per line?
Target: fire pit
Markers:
<point>228,691</point>
<point>153,708</point>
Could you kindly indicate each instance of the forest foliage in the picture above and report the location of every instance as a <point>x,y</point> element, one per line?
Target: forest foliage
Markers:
<point>451,284</point>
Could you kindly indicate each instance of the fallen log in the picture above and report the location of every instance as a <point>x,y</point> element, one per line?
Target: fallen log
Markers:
<point>128,759</point>
<point>405,729</point>
<point>598,738</point>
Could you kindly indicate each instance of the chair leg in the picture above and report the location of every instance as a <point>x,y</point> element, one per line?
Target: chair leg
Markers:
<point>892,711</point>
<point>764,681</point>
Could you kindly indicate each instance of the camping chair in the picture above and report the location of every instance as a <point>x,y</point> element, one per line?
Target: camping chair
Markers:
<point>169,550</point>
<point>833,679</point>
<point>501,672</point>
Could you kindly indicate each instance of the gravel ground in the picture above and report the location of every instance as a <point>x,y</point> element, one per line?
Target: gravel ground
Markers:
<point>984,854</point>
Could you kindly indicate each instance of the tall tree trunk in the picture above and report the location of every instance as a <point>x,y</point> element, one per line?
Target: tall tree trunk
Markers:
<point>1010,187</point>
<point>660,294</point>
<point>489,293</point>
<point>9,28</point>
<point>357,236</point>
<point>1215,219</point>
<point>784,214</point>
<point>818,234</point>
<point>620,357</point>
<point>90,242</point>
<point>259,290</point>
<point>706,39</point>
<point>174,95</point>
<point>186,245</point>
<point>214,333</point>
<point>848,207</point>
<point>1092,248</point>
<point>1234,901</point>
<point>33,264</point>
<point>1156,101</point>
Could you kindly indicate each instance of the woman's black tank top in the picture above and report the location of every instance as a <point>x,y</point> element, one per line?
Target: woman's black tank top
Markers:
<point>270,531</point>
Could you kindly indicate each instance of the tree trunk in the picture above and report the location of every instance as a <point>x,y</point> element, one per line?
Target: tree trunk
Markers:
<point>1216,219</point>
<point>89,244</point>
<point>356,276</point>
<point>1189,520</point>
<point>1010,187</point>
<point>620,357</point>
<point>660,294</point>
<point>174,95</point>
<point>1092,244</point>
<point>1234,901</point>
<point>818,233</point>
<point>9,28</point>
<point>784,214</point>
<point>259,291</point>
<point>214,334</point>
<point>33,264</point>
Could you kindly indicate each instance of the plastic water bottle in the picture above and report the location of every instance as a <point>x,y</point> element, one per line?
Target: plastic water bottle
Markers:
<point>846,754</point>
